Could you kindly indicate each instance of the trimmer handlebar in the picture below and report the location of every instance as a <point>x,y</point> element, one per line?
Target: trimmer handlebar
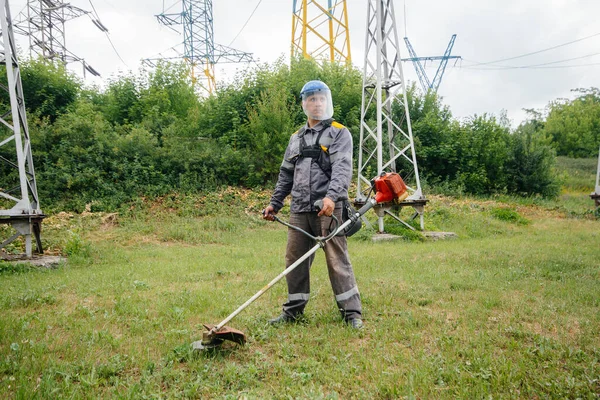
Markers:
<point>368,205</point>
<point>322,239</point>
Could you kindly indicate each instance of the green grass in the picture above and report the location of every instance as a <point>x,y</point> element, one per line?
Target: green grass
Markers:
<point>510,309</point>
<point>579,177</point>
<point>578,174</point>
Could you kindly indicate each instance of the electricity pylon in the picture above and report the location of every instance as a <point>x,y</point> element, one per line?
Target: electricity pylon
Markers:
<point>320,30</point>
<point>596,195</point>
<point>18,188</point>
<point>427,84</point>
<point>384,109</point>
<point>199,48</point>
<point>44,23</point>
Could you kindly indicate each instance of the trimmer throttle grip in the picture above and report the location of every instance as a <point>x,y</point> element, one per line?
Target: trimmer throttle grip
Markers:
<point>265,214</point>
<point>318,205</point>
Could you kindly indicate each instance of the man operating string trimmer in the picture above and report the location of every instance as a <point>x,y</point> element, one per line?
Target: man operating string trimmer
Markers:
<point>317,165</point>
<point>316,171</point>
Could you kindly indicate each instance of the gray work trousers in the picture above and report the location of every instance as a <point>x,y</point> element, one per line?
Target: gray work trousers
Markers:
<point>340,270</point>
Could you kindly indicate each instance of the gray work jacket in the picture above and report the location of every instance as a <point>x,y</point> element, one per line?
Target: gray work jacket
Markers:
<point>304,179</point>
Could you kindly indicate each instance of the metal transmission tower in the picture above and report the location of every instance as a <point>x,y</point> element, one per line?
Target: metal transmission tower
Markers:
<point>384,110</point>
<point>320,30</point>
<point>426,84</point>
<point>17,171</point>
<point>44,23</point>
<point>199,48</point>
<point>596,195</point>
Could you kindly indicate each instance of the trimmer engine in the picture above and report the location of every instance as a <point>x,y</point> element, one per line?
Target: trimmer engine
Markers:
<point>389,187</point>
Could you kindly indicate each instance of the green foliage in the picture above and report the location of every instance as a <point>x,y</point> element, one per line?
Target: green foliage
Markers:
<point>148,133</point>
<point>120,103</point>
<point>435,135</point>
<point>76,246</point>
<point>508,215</point>
<point>83,160</point>
<point>409,235</point>
<point>574,125</point>
<point>269,126</point>
<point>478,155</point>
<point>14,268</point>
<point>531,163</point>
<point>482,155</point>
<point>48,88</point>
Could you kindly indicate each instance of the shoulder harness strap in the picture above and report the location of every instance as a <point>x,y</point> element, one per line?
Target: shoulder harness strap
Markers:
<point>326,124</point>
<point>336,124</point>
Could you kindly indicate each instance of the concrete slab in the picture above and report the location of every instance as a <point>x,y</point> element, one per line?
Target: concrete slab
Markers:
<point>385,237</point>
<point>430,235</point>
<point>36,260</point>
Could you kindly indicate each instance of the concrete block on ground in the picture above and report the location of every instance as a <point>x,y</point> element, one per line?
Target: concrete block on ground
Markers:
<point>36,260</point>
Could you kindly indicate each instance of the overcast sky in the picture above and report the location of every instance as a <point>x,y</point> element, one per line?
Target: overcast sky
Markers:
<point>486,31</point>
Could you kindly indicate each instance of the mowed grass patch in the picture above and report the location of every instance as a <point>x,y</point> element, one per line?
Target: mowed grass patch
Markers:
<point>507,310</point>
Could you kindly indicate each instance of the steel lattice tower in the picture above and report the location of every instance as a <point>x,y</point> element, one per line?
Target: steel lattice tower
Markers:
<point>44,23</point>
<point>596,195</point>
<point>320,30</point>
<point>384,110</point>
<point>199,48</point>
<point>19,188</point>
<point>427,84</point>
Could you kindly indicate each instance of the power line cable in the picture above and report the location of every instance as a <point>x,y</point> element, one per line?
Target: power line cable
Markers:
<point>246,23</point>
<point>502,67</point>
<point>570,66</point>
<point>168,8</point>
<point>534,52</point>
<point>94,9</point>
<point>110,4</point>
<point>543,67</point>
<point>103,29</point>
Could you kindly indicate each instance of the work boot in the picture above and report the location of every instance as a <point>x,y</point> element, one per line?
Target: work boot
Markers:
<point>355,323</point>
<point>284,319</point>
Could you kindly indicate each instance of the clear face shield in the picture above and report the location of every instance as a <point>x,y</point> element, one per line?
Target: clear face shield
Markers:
<point>317,105</point>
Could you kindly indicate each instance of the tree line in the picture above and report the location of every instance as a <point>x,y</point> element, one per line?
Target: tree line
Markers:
<point>148,133</point>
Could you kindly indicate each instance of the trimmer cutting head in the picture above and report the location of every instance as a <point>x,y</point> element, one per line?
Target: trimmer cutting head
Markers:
<point>212,338</point>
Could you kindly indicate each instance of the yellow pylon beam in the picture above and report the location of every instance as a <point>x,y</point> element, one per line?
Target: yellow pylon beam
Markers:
<point>203,76</point>
<point>320,30</point>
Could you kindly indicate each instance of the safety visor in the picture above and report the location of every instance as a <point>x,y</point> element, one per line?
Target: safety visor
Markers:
<point>318,105</point>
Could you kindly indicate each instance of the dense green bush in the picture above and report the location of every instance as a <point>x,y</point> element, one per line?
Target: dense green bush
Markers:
<point>149,133</point>
<point>574,125</point>
<point>531,163</point>
<point>82,160</point>
<point>479,155</point>
<point>49,89</point>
